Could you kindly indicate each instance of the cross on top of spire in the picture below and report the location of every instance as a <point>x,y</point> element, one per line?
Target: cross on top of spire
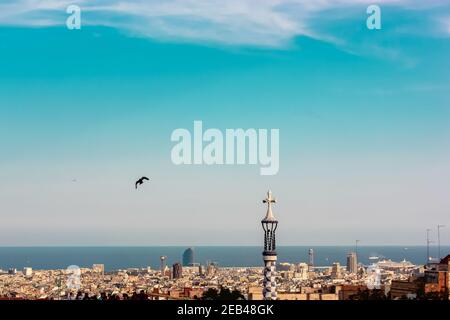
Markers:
<point>269,200</point>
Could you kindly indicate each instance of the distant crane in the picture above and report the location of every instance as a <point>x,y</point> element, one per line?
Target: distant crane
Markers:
<point>428,245</point>
<point>356,248</point>
<point>439,226</point>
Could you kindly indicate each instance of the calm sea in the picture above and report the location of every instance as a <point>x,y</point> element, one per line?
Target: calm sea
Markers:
<point>127,257</point>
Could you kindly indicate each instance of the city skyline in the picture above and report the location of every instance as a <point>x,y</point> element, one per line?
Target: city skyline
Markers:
<point>362,115</point>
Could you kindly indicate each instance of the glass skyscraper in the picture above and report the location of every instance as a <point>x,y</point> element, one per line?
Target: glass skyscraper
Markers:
<point>188,257</point>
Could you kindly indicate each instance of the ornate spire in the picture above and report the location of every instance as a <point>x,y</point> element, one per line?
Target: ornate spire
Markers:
<point>269,200</point>
<point>269,225</point>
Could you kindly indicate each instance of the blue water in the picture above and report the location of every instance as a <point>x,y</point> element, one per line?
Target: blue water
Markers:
<point>128,257</point>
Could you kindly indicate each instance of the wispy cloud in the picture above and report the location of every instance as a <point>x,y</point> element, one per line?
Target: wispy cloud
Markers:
<point>271,23</point>
<point>446,23</point>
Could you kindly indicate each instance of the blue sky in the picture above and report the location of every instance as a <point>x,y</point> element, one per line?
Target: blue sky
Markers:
<point>363,117</point>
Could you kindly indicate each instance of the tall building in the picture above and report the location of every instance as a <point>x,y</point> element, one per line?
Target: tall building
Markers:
<point>336,270</point>
<point>163,264</point>
<point>311,259</point>
<point>188,257</point>
<point>211,268</point>
<point>177,270</point>
<point>352,262</point>
<point>27,271</point>
<point>98,268</point>
<point>201,270</point>
<point>301,271</point>
<point>269,224</point>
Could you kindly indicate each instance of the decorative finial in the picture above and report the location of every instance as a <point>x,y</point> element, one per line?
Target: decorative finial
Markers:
<point>269,200</point>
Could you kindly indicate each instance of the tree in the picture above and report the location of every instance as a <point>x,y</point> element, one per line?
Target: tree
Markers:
<point>223,294</point>
<point>375,294</point>
<point>210,294</point>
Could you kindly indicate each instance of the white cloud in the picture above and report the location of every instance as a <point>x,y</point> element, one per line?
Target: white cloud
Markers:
<point>447,25</point>
<point>240,22</point>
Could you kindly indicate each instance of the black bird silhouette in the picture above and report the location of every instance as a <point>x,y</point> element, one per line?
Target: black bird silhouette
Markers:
<point>140,181</point>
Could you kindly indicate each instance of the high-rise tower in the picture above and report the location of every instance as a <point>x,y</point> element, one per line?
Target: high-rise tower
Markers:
<point>352,262</point>
<point>311,259</point>
<point>188,257</point>
<point>163,265</point>
<point>177,271</point>
<point>269,224</point>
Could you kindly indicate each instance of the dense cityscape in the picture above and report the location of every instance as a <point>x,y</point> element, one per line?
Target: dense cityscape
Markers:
<point>384,279</point>
<point>189,280</point>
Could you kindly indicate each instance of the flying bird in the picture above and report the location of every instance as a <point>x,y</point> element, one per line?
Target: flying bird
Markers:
<point>140,181</point>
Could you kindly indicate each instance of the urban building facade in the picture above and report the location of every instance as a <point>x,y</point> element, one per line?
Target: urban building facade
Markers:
<point>177,271</point>
<point>162,266</point>
<point>336,270</point>
<point>99,268</point>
